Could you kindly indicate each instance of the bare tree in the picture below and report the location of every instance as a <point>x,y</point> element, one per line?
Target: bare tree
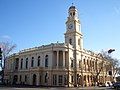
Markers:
<point>7,48</point>
<point>99,65</point>
<point>114,62</point>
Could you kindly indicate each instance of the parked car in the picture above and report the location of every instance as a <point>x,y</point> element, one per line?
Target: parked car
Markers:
<point>108,84</point>
<point>116,85</point>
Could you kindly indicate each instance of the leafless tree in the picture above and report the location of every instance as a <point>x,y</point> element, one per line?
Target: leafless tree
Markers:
<point>6,48</point>
<point>99,65</point>
<point>114,63</point>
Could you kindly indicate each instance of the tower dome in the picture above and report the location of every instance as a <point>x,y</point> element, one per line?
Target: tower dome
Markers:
<point>72,7</point>
<point>72,11</point>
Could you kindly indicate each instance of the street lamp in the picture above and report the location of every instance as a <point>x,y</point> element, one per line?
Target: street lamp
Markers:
<point>110,51</point>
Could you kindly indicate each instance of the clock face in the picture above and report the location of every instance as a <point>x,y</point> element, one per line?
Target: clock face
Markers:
<point>70,26</point>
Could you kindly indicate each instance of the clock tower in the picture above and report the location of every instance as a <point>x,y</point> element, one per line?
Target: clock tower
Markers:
<point>73,33</point>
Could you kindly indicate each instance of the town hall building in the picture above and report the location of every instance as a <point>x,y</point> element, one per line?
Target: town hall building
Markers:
<point>59,64</point>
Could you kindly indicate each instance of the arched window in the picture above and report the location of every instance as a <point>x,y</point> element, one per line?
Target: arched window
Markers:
<point>73,13</point>
<point>46,61</point>
<point>70,41</point>
<point>20,78</point>
<point>71,63</point>
<point>70,14</point>
<point>32,62</point>
<point>34,79</point>
<point>21,63</point>
<point>78,41</point>
<point>26,65</point>
<point>25,78</point>
<point>38,61</point>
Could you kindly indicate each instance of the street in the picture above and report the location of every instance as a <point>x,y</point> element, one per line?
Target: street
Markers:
<point>55,88</point>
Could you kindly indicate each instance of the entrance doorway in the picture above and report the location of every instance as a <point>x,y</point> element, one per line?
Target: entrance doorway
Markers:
<point>34,79</point>
<point>15,78</point>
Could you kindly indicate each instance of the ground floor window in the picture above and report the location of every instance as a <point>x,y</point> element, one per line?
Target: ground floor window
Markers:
<point>20,78</point>
<point>60,79</point>
<point>40,79</point>
<point>25,78</point>
<point>65,80</point>
<point>72,79</point>
<point>46,77</point>
<point>54,79</point>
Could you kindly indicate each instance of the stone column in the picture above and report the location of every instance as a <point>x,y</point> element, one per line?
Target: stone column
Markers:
<point>63,58</point>
<point>57,58</point>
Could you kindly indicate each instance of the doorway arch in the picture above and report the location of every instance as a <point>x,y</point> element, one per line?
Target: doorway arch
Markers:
<point>15,79</point>
<point>34,79</point>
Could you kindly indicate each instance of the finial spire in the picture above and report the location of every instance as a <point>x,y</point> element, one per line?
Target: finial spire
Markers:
<point>72,4</point>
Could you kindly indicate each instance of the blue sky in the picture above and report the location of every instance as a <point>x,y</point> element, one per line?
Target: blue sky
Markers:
<point>31,23</point>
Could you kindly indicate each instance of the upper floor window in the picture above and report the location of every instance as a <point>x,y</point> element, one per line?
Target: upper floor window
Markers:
<point>46,61</point>
<point>21,63</point>
<point>71,63</point>
<point>70,14</point>
<point>79,64</point>
<point>32,62</point>
<point>38,61</point>
<point>73,13</point>
<point>16,63</point>
<point>84,61</point>
<point>70,41</point>
<point>26,65</point>
<point>87,62</point>
<point>78,41</point>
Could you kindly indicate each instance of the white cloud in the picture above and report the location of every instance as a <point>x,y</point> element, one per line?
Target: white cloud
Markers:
<point>6,37</point>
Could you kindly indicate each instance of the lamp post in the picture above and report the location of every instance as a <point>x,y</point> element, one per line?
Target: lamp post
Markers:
<point>109,53</point>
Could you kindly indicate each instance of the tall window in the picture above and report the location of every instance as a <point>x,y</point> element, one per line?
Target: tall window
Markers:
<point>70,41</point>
<point>84,61</point>
<point>20,78</point>
<point>73,13</point>
<point>78,41</point>
<point>40,79</point>
<point>25,78</point>
<point>16,63</point>
<point>65,79</point>
<point>54,79</point>
<point>21,63</point>
<point>46,77</point>
<point>72,79</point>
<point>60,79</point>
<point>85,78</point>
<point>26,65</point>
<point>71,63</point>
<point>32,62</point>
<point>38,61</point>
<point>79,64</point>
<point>46,61</point>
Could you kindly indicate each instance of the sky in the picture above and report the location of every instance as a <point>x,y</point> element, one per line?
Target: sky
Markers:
<point>31,23</point>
